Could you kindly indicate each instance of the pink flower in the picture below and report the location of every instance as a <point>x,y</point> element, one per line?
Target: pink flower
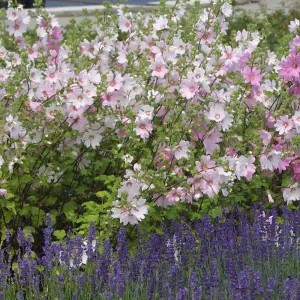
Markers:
<point>3,192</point>
<point>284,125</point>
<point>271,161</point>
<point>161,200</point>
<point>175,195</point>
<point>125,24</point>
<point>159,67</point>
<point>290,68</point>
<point>205,164</point>
<point>161,23</point>
<point>244,167</point>
<point>210,184</point>
<point>211,141</point>
<point>188,88</point>
<point>143,128</point>
<point>56,33</point>
<point>284,164</point>
<point>296,118</point>
<point>252,76</point>
<point>181,151</point>
<point>265,137</point>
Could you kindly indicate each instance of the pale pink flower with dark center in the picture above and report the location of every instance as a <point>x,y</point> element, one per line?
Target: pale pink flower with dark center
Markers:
<point>159,67</point>
<point>216,113</point>
<point>125,24</point>
<point>284,125</point>
<point>252,76</point>
<point>143,128</point>
<point>115,82</point>
<point>188,88</point>
<point>175,195</point>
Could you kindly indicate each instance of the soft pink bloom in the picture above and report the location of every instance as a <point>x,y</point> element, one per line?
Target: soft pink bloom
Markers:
<point>265,137</point>
<point>296,118</point>
<point>3,192</point>
<point>35,106</point>
<point>210,184</point>
<point>284,164</point>
<point>159,67</point>
<point>161,200</point>
<point>115,82</point>
<point>284,125</point>
<point>143,128</point>
<point>290,67</point>
<point>188,88</point>
<point>175,195</point>
<point>56,33</point>
<point>205,164</point>
<point>181,151</point>
<point>271,161</point>
<point>206,36</point>
<point>244,167</point>
<point>125,24</point>
<point>217,113</point>
<point>161,23</point>
<point>211,141</point>
<point>252,76</point>
<point>132,213</point>
<point>231,152</point>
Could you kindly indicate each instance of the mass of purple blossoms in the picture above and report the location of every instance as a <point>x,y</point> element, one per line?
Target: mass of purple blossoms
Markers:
<point>235,256</point>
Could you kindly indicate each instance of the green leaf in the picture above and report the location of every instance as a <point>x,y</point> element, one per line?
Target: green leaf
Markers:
<point>91,218</point>
<point>59,234</point>
<point>69,206</point>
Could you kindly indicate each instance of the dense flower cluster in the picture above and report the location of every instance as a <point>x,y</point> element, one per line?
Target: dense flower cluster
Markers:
<point>230,258</point>
<point>183,115</point>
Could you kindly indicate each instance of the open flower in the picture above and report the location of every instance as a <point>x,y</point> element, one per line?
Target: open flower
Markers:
<point>252,76</point>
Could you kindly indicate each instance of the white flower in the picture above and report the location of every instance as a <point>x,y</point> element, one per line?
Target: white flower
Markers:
<point>292,193</point>
<point>1,161</point>
<point>294,25</point>
<point>127,158</point>
<point>226,9</point>
<point>217,113</point>
<point>92,139</point>
<point>132,213</point>
<point>181,150</point>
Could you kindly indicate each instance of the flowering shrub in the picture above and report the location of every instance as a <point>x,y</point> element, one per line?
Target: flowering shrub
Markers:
<point>117,117</point>
<point>230,258</point>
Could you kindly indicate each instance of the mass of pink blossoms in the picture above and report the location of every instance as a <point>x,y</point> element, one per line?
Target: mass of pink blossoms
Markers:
<point>205,115</point>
